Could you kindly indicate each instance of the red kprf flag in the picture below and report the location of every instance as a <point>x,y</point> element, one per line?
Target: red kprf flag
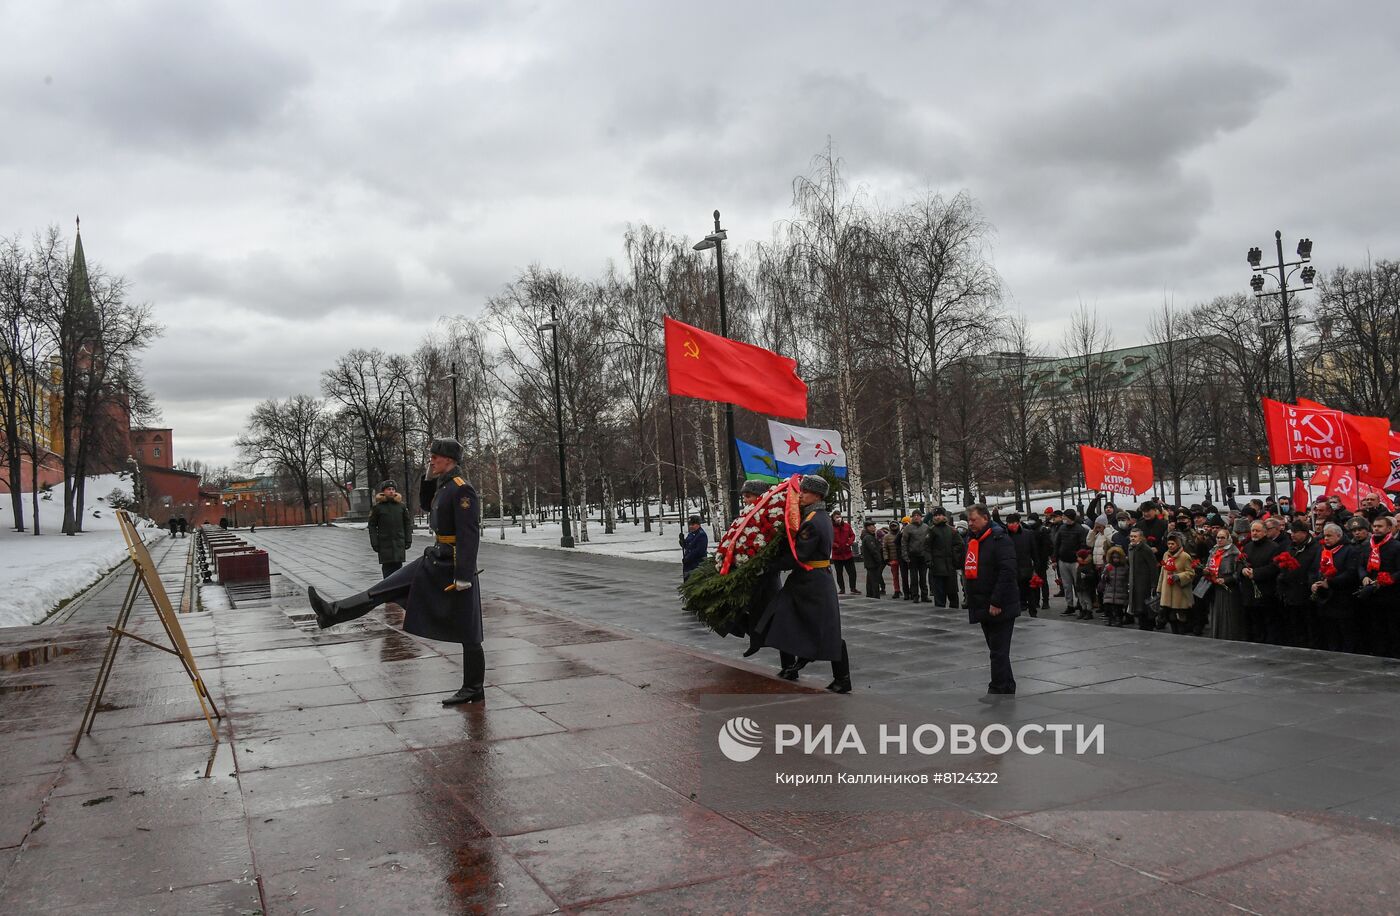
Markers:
<point>1116,472</point>
<point>714,368</point>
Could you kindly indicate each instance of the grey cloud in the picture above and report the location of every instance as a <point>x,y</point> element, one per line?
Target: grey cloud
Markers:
<point>152,74</point>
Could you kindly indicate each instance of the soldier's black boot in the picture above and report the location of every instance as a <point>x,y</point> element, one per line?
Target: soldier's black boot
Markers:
<point>325,611</point>
<point>791,664</point>
<point>841,672</point>
<point>330,613</point>
<point>473,677</point>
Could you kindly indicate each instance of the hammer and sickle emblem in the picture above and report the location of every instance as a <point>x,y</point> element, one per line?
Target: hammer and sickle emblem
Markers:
<point>1116,464</point>
<point>1320,429</point>
<point>692,349</point>
<point>1344,485</point>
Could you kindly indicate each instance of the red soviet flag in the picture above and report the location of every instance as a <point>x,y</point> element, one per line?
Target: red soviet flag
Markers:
<point>1369,437</point>
<point>1116,472</point>
<point>714,368</point>
<point>1342,485</point>
<point>1308,435</point>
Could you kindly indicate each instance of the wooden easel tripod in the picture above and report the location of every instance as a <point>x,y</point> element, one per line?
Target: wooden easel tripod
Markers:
<point>144,576</point>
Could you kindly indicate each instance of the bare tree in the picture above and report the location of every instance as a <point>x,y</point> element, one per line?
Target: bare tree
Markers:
<point>1172,426</point>
<point>1355,363</point>
<point>1094,405</point>
<point>285,437</point>
<point>1018,407</point>
<point>367,384</point>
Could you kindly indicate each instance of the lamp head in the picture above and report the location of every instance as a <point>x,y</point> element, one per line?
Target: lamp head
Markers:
<point>1255,256</point>
<point>1305,248</point>
<point>1308,273</point>
<point>1256,283</point>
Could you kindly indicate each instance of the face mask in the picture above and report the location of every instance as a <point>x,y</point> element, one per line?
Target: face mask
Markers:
<point>1123,526</point>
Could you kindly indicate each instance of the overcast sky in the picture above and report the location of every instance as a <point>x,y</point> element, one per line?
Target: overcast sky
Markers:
<point>285,181</point>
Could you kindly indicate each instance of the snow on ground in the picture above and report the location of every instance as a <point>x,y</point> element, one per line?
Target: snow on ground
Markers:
<point>38,573</point>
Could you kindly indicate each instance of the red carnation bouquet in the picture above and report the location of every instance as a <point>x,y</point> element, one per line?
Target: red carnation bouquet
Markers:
<point>1286,561</point>
<point>1036,582</point>
<point>1385,578</point>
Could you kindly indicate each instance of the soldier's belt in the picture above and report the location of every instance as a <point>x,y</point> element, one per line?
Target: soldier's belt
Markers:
<point>819,564</point>
<point>447,538</point>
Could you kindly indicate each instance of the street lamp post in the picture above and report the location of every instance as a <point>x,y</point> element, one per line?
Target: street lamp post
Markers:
<point>552,326</point>
<point>1279,273</point>
<point>715,240</point>
<point>456,421</point>
<point>403,424</point>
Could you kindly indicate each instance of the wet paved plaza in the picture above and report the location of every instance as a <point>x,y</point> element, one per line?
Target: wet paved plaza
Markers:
<point>342,785</point>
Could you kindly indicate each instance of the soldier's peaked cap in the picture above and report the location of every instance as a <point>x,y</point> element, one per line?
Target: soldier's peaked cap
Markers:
<point>447,448</point>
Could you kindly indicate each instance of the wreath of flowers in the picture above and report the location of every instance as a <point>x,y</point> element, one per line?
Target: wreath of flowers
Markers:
<point>776,511</point>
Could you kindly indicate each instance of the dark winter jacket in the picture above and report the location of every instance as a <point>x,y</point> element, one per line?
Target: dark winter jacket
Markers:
<point>1142,577</point>
<point>1337,598</point>
<point>1155,529</point>
<point>915,543</point>
<point>872,550</point>
<point>1023,541</point>
<point>1259,557</point>
<point>943,549</point>
<point>995,582</point>
<point>1043,546</point>
<point>390,528</point>
<point>1295,585</point>
<point>1069,540</point>
<point>694,546</point>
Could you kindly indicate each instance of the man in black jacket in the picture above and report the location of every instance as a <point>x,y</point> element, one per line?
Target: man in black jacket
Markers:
<point>1154,527</point>
<point>1297,625</point>
<point>1258,582</point>
<point>1040,534</point>
<point>1071,538</point>
<point>1024,543</point>
<point>993,600</point>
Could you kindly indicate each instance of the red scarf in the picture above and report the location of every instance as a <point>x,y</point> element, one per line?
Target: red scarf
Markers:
<point>1216,556</point>
<point>974,549</point>
<point>1374,564</point>
<point>1325,565</point>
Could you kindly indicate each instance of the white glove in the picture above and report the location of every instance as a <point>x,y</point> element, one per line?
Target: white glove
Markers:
<point>462,585</point>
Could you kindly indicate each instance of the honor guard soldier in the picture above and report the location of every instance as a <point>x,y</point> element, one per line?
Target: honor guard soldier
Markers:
<point>803,622</point>
<point>440,591</point>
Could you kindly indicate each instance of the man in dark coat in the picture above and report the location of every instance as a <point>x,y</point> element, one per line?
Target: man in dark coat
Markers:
<point>1142,579</point>
<point>872,554</point>
<point>804,621</point>
<point>1024,544</point>
<point>1154,527</point>
<point>1341,564</point>
<point>1297,625</point>
<point>1258,582</point>
<point>1040,532</point>
<point>943,556</point>
<point>916,551</point>
<point>993,599</point>
<point>390,528</point>
<point>1380,587</point>
<point>440,590</point>
<point>695,544</point>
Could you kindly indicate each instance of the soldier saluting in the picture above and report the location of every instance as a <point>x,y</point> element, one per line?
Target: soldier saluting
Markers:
<point>441,587</point>
<point>803,622</point>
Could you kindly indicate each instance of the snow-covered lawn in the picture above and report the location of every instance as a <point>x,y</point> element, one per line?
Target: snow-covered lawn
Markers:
<point>37,573</point>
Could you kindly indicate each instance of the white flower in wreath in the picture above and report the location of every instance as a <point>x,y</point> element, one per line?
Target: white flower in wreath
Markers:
<point>741,559</point>
<point>760,541</point>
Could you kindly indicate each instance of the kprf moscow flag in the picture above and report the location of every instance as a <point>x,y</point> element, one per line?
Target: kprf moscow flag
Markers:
<point>800,450</point>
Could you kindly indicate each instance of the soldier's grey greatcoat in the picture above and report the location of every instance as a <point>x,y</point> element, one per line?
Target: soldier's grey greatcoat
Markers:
<point>433,611</point>
<point>804,619</point>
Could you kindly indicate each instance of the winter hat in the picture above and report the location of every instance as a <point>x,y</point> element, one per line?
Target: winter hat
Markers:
<point>1049,510</point>
<point>1302,526</point>
<point>693,520</point>
<point>814,484</point>
<point>387,485</point>
<point>447,448</point>
<point>1082,554</point>
<point>1101,520</point>
<point>754,487</point>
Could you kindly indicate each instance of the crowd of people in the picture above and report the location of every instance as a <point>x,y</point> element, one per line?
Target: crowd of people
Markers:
<point>1316,576</point>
